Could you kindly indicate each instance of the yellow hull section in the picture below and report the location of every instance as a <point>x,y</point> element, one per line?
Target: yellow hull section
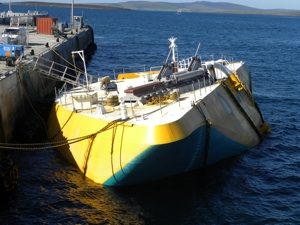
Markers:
<point>105,148</point>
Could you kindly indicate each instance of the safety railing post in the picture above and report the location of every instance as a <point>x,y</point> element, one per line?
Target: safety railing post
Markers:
<point>36,63</point>
<point>194,90</point>
<point>62,77</point>
<point>160,104</point>
<point>50,68</point>
<point>131,107</point>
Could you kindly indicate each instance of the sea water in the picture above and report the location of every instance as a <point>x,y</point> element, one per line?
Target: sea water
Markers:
<point>261,186</point>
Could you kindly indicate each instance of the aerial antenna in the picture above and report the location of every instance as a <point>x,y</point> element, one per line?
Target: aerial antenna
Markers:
<point>173,47</point>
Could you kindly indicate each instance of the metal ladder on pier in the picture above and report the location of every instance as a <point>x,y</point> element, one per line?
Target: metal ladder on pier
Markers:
<point>58,72</point>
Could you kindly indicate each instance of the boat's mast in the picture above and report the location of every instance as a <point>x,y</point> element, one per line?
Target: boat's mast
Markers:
<point>72,15</point>
<point>9,6</point>
<point>173,47</point>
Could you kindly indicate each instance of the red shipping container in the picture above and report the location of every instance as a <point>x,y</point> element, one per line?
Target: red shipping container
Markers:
<point>44,25</point>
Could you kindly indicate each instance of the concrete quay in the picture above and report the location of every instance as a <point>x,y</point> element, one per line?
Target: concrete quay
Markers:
<point>20,86</point>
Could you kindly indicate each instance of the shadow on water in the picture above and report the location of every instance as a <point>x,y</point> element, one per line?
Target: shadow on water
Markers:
<point>52,191</point>
<point>176,200</point>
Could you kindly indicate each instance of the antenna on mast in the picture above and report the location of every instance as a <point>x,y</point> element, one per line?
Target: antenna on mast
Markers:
<point>173,47</point>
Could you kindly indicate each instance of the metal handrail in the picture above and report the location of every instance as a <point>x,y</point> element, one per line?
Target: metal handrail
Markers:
<point>59,72</point>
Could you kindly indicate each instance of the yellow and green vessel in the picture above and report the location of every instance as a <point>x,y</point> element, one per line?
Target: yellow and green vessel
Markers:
<point>151,125</point>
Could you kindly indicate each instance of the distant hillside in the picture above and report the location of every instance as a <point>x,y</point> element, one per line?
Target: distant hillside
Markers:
<point>199,6</point>
<point>202,7</point>
<point>64,5</point>
<point>219,6</point>
<point>196,7</point>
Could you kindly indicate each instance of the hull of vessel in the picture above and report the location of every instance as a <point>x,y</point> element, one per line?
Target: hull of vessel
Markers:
<point>118,153</point>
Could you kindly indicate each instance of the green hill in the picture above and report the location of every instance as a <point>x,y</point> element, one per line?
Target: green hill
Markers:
<point>202,7</point>
<point>196,7</point>
<point>199,6</point>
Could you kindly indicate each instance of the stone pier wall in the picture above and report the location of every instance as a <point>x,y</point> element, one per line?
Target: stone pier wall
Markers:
<point>20,91</point>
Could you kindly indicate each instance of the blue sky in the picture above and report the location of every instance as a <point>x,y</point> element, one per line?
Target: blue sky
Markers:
<point>263,4</point>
